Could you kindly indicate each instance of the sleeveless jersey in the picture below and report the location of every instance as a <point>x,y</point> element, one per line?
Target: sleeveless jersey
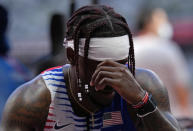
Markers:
<point>62,118</point>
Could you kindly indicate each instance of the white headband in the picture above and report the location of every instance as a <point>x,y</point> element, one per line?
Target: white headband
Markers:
<point>100,49</point>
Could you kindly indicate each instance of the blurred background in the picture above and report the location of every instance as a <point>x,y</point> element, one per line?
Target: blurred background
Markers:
<point>35,32</point>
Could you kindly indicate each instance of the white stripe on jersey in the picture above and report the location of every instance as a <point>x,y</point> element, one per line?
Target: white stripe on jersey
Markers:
<point>60,111</point>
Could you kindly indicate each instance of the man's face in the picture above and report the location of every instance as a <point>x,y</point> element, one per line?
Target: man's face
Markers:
<point>102,97</point>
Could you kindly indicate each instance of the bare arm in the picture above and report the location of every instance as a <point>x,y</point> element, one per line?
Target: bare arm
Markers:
<point>161,119</point>
<point>133,89</point>
<point>27,107</point>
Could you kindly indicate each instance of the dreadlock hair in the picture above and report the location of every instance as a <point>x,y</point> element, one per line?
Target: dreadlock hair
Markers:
<point>98,21</point>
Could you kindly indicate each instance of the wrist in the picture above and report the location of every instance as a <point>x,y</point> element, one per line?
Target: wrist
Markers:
<point>142,100</point>
<point>147,108</point>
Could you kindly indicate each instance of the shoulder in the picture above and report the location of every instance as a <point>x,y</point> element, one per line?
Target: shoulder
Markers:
<point>28,106</point>
<point>143,75</point>
<point>150,81</point>
<point>30,91</point>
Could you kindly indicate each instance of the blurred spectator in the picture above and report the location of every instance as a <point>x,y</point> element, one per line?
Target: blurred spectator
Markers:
<point>12,72</point>
<point>57,56</point>
<point>155,50</point>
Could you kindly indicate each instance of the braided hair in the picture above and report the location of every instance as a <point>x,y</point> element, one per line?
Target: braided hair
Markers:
<point>98,21</point>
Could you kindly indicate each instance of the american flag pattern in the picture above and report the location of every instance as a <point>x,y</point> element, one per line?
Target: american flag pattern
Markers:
<point>112,118</point>
<point>61,112</point>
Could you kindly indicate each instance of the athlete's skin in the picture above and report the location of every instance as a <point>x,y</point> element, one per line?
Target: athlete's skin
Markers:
<point>27,108</point>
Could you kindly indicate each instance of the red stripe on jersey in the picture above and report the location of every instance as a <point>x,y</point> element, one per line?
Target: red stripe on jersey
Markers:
<point>50,114</point>
<point>51,107</point>
<point>50,120</point>
<point>51,69</point>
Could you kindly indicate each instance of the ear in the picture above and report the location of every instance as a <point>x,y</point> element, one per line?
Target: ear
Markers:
<point>70,55</point>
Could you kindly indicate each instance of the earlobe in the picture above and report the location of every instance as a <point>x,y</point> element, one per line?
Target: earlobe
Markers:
<point>70,55</point>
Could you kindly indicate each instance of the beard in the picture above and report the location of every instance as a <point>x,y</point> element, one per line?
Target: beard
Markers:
<point>102,98</point>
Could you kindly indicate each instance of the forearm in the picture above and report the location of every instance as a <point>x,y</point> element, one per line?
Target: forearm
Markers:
<point>160,122</point>
<point>161,119</point>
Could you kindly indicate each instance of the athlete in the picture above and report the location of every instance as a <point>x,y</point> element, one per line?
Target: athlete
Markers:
<point>99,90</point>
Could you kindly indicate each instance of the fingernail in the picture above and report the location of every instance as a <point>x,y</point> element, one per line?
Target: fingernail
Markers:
<point>91,84</point>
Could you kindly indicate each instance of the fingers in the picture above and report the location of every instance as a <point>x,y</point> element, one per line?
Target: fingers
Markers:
<point>103,71</point>
<point>105,74</point>
<point>108,65</point>
<point>106,81</point>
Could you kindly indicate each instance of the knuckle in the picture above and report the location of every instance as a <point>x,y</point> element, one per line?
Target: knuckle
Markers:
<point>98,69</point>
<point>101,68</point>
<point>122,69</point>
<point>119,69</point>
<point>107,61</point>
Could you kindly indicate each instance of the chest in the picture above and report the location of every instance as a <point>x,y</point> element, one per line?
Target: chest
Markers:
<point>62,117</point>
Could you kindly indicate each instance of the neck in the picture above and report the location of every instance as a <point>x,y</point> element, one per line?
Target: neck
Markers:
<point>84,107</point>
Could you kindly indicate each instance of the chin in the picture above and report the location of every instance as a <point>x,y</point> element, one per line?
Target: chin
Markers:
<point>103,99</point>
